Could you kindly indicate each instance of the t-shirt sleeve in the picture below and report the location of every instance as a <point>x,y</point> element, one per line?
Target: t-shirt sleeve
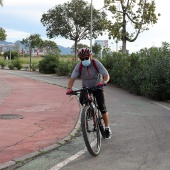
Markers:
<point>76,71</point>
<point>102,70</point>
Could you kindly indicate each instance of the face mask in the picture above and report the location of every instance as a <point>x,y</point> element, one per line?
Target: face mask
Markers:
<point>86,62</point>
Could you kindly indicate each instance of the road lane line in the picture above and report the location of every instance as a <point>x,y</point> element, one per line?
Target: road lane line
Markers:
<point>65,162</point>
<point>162,105</point>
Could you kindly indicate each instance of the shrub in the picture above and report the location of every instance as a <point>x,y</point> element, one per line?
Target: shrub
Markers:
<point>17,63</point>
<point>48,64</point>
<point>132,73</point>
<point>2,63</point>
<point>11,65</point>
<point>34,66</point>
<point>65,68</point>
<point>107,61</point>
<point>144,73</point>
<point>156,78</point>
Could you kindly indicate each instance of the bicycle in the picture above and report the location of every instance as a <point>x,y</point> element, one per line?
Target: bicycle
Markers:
<point>91,121</point>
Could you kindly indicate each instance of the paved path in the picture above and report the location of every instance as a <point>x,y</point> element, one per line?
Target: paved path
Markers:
<point>33,115</point>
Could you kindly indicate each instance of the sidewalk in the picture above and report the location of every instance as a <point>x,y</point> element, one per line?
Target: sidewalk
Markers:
<point>33,116</point>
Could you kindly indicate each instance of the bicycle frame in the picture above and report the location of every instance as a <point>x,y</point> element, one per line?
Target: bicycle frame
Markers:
<point>88,99</point>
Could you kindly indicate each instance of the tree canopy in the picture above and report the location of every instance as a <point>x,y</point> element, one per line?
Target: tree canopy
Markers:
<point>1,2</point>
<point>72,21</point>
<point>50,47</point>
<point>2,34</point>
<point>33,41</point>
<point>2,31</point>
<point>139,14</point>
<point>96,48</point>
<point>79,45</point>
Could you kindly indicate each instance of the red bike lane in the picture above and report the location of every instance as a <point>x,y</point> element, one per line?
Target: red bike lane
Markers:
<point>33,115</point>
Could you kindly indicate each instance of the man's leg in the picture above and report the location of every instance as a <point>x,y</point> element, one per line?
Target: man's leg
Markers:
<point>106,119</point>
<point>108,131</point>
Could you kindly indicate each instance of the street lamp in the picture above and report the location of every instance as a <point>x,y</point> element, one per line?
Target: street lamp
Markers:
<point>91,26</point>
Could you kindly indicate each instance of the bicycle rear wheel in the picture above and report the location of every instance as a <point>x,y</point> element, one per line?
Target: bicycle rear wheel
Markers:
<point>91,131</point>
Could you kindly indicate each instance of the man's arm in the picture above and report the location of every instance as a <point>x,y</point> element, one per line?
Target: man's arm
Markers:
<point>71,82</point>
<point>106,78</point>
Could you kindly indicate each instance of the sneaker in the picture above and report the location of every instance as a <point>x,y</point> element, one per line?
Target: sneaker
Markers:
<point>108,133</point>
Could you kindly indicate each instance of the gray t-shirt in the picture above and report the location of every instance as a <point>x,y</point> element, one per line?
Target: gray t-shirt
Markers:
<point>90,76</point>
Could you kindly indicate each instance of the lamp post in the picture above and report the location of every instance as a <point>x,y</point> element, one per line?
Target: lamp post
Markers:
<point>91,25</point>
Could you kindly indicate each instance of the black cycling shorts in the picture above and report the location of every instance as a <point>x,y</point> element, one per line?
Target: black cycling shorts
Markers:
<point>99,94</point>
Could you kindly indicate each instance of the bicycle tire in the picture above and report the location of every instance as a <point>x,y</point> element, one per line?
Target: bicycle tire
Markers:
<point>91,131</point>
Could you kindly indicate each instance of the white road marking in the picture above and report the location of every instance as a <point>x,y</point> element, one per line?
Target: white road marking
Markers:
<point>162,105</point>
<point>65,162</point>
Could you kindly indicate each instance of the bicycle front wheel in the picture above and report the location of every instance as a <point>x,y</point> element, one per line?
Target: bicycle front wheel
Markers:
<point>91,131</point>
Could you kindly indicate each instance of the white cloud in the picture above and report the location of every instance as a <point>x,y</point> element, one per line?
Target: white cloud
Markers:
<point>16,35</point>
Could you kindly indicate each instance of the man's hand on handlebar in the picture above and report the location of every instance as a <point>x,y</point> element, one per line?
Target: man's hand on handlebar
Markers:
<point>101,84</point>
<point>69,91</point>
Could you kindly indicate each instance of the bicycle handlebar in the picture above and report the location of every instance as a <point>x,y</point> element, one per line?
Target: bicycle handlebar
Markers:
<point>85,89</point>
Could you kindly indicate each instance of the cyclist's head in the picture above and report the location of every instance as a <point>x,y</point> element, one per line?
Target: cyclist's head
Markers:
<point>84,53</point>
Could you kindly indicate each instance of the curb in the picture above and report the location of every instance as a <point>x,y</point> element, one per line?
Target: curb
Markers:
<point>46,149</point>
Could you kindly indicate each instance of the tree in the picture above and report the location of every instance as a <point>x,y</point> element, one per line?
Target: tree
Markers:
<point>139,14</point>
<point>1,2</point>
<point>50,47</point>
<point>2,31</point>
<point>13,54</point>
<point>72,21</point>
<point>31,42</point>
<point>96,48</point>
<point>2,34</point>
<point>79,45</point>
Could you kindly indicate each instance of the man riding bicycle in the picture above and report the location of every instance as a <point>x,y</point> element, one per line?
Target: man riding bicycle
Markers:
<point>93,73</point>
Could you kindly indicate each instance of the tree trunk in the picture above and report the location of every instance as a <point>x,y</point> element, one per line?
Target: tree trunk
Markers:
<point>124,46</point>
<point>124,35</point>
<point>75,50</point>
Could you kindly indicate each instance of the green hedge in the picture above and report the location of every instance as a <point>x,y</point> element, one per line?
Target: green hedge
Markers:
<point>145,73</point>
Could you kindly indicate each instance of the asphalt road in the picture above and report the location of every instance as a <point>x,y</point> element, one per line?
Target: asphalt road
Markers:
<point>141,135</point>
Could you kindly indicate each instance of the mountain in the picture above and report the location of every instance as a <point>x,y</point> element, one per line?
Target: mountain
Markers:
<point>5,43</point>
<point>64,50</point>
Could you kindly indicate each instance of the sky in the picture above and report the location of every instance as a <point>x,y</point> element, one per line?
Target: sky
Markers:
<point>20,18</point>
